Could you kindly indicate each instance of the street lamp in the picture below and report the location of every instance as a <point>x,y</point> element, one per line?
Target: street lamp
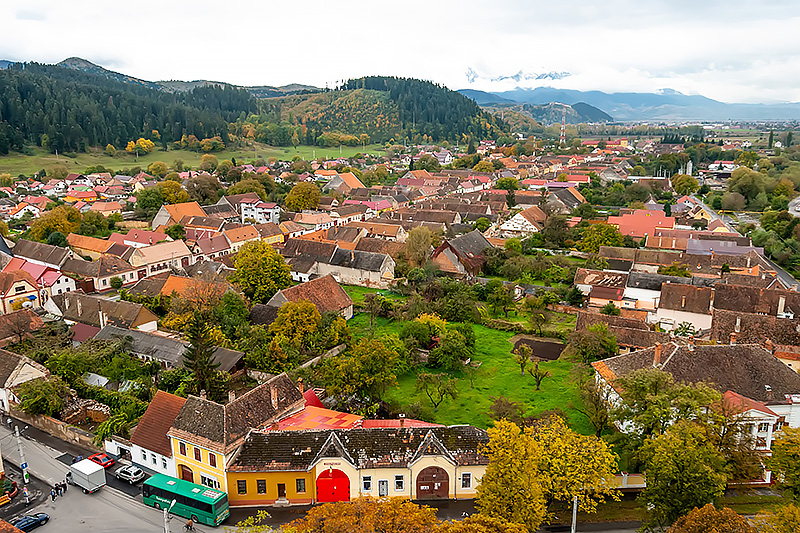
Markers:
<point>166,516</point>
<point>26,477</point>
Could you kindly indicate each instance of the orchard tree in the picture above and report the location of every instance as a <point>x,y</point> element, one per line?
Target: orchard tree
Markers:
<point>592,344</point>
<point>304,195</point>
<point>260,271</point>
<point>522,356</point>
<point>418,245</point>
<point>436,387</point>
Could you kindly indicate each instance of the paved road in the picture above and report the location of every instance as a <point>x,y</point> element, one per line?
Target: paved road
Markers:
<point>794,207</point>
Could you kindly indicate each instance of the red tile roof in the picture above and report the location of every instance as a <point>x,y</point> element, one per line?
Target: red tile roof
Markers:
<point>151,433</point>
<point>318,418</point>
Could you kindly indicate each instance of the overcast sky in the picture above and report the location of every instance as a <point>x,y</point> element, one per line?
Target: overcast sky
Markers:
<point>734,51</point>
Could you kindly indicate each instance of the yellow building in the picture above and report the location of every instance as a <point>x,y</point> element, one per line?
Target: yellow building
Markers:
<point>302,467</point>
<point>206,435</point>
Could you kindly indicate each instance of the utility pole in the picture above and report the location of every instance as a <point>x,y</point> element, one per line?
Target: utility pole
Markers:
<point>166,517</point>
<point>574,513</point>
<point>23,465</point>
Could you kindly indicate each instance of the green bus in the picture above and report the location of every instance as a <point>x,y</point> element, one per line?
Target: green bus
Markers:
<point>202,504</point>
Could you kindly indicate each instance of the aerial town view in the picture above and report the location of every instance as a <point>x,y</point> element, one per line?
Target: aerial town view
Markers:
<point>443,267</point>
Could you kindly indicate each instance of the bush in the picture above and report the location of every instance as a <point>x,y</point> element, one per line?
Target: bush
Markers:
<point>116,283</point>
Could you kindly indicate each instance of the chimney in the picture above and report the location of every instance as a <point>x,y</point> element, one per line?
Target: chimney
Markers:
<point>402,418</point>
<point>691,343</point>
<point>683,301</point>
<point>769,346</point>
<point>738,326</point>
<point>657,356</point>
<point>763,275</point>
<point>768,390</point>
<point>733,337</point>
<point>231,395</point>
<point>300,385</point>
<point>274,397</point>
<point>203,394</point>
<point>781,305</point>
<point>79,306</point>
<point>748,261</point>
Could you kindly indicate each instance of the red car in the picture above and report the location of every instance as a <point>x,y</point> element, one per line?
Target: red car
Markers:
<point>102,459</point>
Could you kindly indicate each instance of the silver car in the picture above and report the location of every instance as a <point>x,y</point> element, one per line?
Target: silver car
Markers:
<point>131,474</point>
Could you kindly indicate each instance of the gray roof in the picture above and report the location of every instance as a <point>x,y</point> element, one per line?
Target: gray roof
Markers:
<point>471,244</point>
<point>162,349</point>
<point>227,358</point>
<point>86,309</point>
<point>37,251</point>
<point>369,261</point>
<point>651,282</point>
<point>703,247</point>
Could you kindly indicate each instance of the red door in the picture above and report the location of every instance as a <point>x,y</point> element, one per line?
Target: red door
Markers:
<point>186,473</point>
<point>433,483</point>
<point>333,486</point>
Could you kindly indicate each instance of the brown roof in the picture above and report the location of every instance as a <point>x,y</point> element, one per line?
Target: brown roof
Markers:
<point>9,278</point>
<point>753,328</point>
<point>380,246</point>
<point>45,253</point>
<point>223,427</point>
<point>151,432</point>
<point>246,233</point>
<point>586,319</point>
<point>270,229</point>
<point>746,369</point>
<point>755,299</point>
<point>86,309</point>
<point>321,251</point>
<point>92,244</point>
<point>325,293</point>
<point>687,298</point>
<point>607,293</point>
<point>764,281</point>
<point>106,265</point>
<point>9,321</point>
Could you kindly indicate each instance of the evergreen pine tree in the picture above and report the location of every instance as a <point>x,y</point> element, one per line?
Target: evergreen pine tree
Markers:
<point>199,358</point>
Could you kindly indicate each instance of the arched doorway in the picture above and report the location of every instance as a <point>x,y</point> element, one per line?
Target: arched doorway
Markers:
<point>186,473</point>
<point>433,483</point>
<point>333,486</point>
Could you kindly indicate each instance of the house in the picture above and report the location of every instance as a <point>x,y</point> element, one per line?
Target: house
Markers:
<point>304,467</point>
<point>98,274</point>
<point>137,238</point>
<point>160,257</point>
<point>752,328</point>
<point>222,211</point>
<point>74,196</point>
<point>15,370</point>
<point>343,183</point>
<point>380,230</point>
<point>314,221</point>
<point>238,237</point>
<point>685,303</point>
<point>259,212</point>
<point>354,267</point>
<point>42,254</point>
<point>48,280</point>
<point>234,201</point>
<point>22,209</point>
<point>645,288</point>
<point>631,334</point>
<point>325,293</point>
<point>641,222</point>
<point>91,247</point>
<point>585,279</point>
<point>270,233</point>
<point>211,247</point>
<point>150,445</point>
<point>206,436</point>
<point>170,284</point>
<point>147,346</point>
<point>171,214</point>
<point>293,229</point>
<point>17,289</point>
<point>524,223</point>
<point>107,208</point>
<point>463,255</point>
<point>750,371</point>
<point>76,307</point>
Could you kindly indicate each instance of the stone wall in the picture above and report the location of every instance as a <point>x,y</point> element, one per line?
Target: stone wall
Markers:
<point>56,428</point>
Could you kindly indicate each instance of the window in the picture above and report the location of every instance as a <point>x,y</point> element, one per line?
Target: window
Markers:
<point>466,481</point>
<point>182,448</point>
<point>20,289</point>
<point>163,463</point>
<point>763,427</point>
<point>209,482</point>
<point>261,486</point>
<point>144,455</point>
<point>778,425</point>
<point>153,458</point>
<point>197,454</point>
<point>367,483</point>
<point>241,486</point>
<point>105,282</point>
<point>399,483</point>
<point>212,459</point>
<point>300,484</point>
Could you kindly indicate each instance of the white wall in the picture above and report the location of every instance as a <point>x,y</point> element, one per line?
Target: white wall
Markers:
<point>169,470</point>
<point>697,320</point>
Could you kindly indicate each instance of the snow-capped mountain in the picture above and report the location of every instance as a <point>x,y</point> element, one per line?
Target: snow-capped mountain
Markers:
<point>528,78</point>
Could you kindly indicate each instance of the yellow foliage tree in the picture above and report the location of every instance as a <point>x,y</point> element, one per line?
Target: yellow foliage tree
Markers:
<point>63,218</point>
<point>173,192</point>
<point>367,515</point>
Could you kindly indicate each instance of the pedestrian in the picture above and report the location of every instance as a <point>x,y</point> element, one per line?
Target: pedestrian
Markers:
<point>64,484</point>
<point>60,490</point>
<point>52,495</point>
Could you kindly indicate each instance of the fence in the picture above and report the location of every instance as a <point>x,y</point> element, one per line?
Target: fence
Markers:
<point>56,428</point>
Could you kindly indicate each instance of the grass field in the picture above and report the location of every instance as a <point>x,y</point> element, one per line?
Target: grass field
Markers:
<point>357,293</point>
<point>498,375</point>
<point>16,164</point>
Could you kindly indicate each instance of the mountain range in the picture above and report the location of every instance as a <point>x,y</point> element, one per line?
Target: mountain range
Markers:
<point>666,105</point>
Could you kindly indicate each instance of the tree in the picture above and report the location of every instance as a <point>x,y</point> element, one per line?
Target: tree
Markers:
<point>110,150</point>
<point>149,201</point>
<point>158,169</point>
<point>522,356</point>
<point>297,322</point>
<point>684,471</point>
<point>574,296</point>
<point>204,188</point>
<point>483,166</point>
<point>538,374</point>
<point>427,162</point>
<point>507,184</point>
<point>63,219</point>
<point>684,184</point>
<point>176,232</point>
<point>771,139</point>
<point>436,387</point>
<point>595,400</point>
<point>785,460</point>
<point>676,269</point>
<point>510,489</point>
<point>199,356</point>
<point>260,271</point>
<point>710,520</point>
<point>451,351</point>
<point>172,192</point>
<point>43,396</point>
<point>592,344</point>
<point>482,224</point>
<point>116,283</point>
<point>246,186</point>
<point>367,515</point>
<point>367,371</point>
<point>732,201</point>
<point>57,239</point>
<point>786,519</point>
<point>598,235</point>
<point>304,195</point>
<point>209,162</point>
<point>18,323</point>
<point>610,309</point>
<point>478,523</point>
<point>418,245</point>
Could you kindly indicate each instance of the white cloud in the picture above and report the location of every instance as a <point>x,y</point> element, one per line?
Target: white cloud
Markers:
<point>712,47</point>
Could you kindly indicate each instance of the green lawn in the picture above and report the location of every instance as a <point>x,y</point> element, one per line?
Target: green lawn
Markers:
<point>497,376</point>
<point>357,293</point>
<point>16,164</point>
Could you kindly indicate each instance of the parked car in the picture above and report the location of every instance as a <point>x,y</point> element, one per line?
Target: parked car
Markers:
<point>102,459</point>
<point>30,522</point>
<point>131,474</point>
